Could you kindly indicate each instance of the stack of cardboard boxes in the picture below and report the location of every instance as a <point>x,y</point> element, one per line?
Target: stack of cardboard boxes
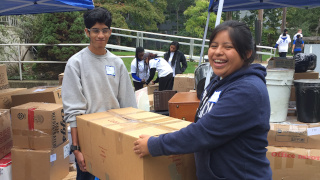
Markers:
<point>40,142</point>
<point>34,132</point>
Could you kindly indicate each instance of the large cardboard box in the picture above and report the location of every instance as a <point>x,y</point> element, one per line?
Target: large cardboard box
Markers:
<point>183,82</point>
<point>292,133</point>
<point>305,75</point>
<point>38,94</point>
<point>106,141</point>
<point>289,163</point>
<point>4,83</point>
<point>5,167</point>
<point>38,125</point>
<point>184,105</point>
<point>52,164</point>
<point>5,132</point>
<point>5,97</point>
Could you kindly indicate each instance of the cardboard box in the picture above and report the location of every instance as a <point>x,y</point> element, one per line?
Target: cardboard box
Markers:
<point>292,133</point>
<point>5,167</point>
<point>60,78</point>
<point>38,125</point>
<point>4,83</point>
<point>152,88</point>
<point>294,163</point>
<point>5,132</point>
<point>305,75</point>
<point>183,82</point>
<point>281,62</point>
<point>52,164</point>
<point>106,141</point>
<point>38,94</point>
<point>5,97</point>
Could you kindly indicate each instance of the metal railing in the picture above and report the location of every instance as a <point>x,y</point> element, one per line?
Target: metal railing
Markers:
<point>140,38</point>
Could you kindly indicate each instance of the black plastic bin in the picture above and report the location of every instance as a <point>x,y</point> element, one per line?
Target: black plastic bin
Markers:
<point>308,100</point>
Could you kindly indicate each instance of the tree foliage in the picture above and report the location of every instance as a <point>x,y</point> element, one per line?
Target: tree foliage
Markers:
<point>197,18</point>
<point>306,19</point>
<point>135,14</point>
<point>57,28</point>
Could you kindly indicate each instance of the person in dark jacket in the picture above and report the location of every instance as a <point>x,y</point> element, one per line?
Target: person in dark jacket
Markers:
<point>229,136</point>
<point>298,45</point>
<point>176,59</point>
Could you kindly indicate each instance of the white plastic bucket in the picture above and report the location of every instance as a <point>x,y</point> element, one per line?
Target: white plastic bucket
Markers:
<point>279,83</point>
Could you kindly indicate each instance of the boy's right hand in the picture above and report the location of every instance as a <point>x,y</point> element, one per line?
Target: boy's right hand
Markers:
<point>80,160</point>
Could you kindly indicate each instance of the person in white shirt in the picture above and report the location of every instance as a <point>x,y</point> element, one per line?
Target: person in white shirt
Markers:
<point>283,43</point>
<point>165,73</point>
<point>298,33</point>
<point>139,69</point>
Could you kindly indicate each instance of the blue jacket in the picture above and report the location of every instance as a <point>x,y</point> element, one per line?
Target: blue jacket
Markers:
<point>230,137</point>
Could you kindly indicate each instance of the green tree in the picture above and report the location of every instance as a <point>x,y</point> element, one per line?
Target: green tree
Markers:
<point>174,12</point>
<point>58,28</point>
<point>135,14</point>
<point>197,18</point>
<point>306,19</point>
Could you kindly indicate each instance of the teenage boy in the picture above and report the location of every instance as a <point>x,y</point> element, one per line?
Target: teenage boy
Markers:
<point>95,80</point>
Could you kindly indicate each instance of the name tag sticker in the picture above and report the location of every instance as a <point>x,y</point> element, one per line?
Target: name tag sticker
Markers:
<point>215,97</point>
<point>110,70</point>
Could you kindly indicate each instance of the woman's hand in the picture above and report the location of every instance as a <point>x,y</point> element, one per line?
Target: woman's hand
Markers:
<point>152,82</point>
<point>141,146</point>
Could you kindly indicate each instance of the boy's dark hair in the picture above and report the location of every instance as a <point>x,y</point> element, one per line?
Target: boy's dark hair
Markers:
<point>298,36</point>
<point>241,38</point>
<point>97,15</point>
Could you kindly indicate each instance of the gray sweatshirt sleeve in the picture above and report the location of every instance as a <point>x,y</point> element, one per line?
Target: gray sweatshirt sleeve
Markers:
<point>126,95</point>
<point>74,102</point>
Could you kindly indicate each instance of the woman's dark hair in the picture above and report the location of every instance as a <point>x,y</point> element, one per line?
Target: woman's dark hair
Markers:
<point>139,50</point>
<point>241,38</point>
<point>176,44</point>
<point>97,15</point>
<point>285,32</point>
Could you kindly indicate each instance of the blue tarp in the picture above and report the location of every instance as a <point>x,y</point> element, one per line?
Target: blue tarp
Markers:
<point>236,5</point>
<point>18,7</point>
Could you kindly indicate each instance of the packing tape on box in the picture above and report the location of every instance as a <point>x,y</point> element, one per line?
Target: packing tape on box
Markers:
<point>173,172</point>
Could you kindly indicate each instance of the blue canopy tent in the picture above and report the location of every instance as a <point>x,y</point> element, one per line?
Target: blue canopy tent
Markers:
<point>19,7</point>
<point>236,5</point>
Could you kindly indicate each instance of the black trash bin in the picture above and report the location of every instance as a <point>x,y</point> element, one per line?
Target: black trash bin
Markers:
<point>308,100</point>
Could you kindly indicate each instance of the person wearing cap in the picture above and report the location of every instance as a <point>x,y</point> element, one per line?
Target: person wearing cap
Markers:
<point>176,59</point>
<point>165,73</point>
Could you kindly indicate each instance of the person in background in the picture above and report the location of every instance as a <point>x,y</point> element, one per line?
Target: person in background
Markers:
<point>229,136</point>
<point>176,59</point>
<point>298,45</point>
<point>165,77</point>
<point>139,69</point>
<point>283,43</point>
<point>298,33</point>
<point>95,81</point>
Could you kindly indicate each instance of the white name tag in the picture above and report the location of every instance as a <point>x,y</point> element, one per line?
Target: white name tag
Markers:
<point>110,70</point>
<point>215,97</point>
